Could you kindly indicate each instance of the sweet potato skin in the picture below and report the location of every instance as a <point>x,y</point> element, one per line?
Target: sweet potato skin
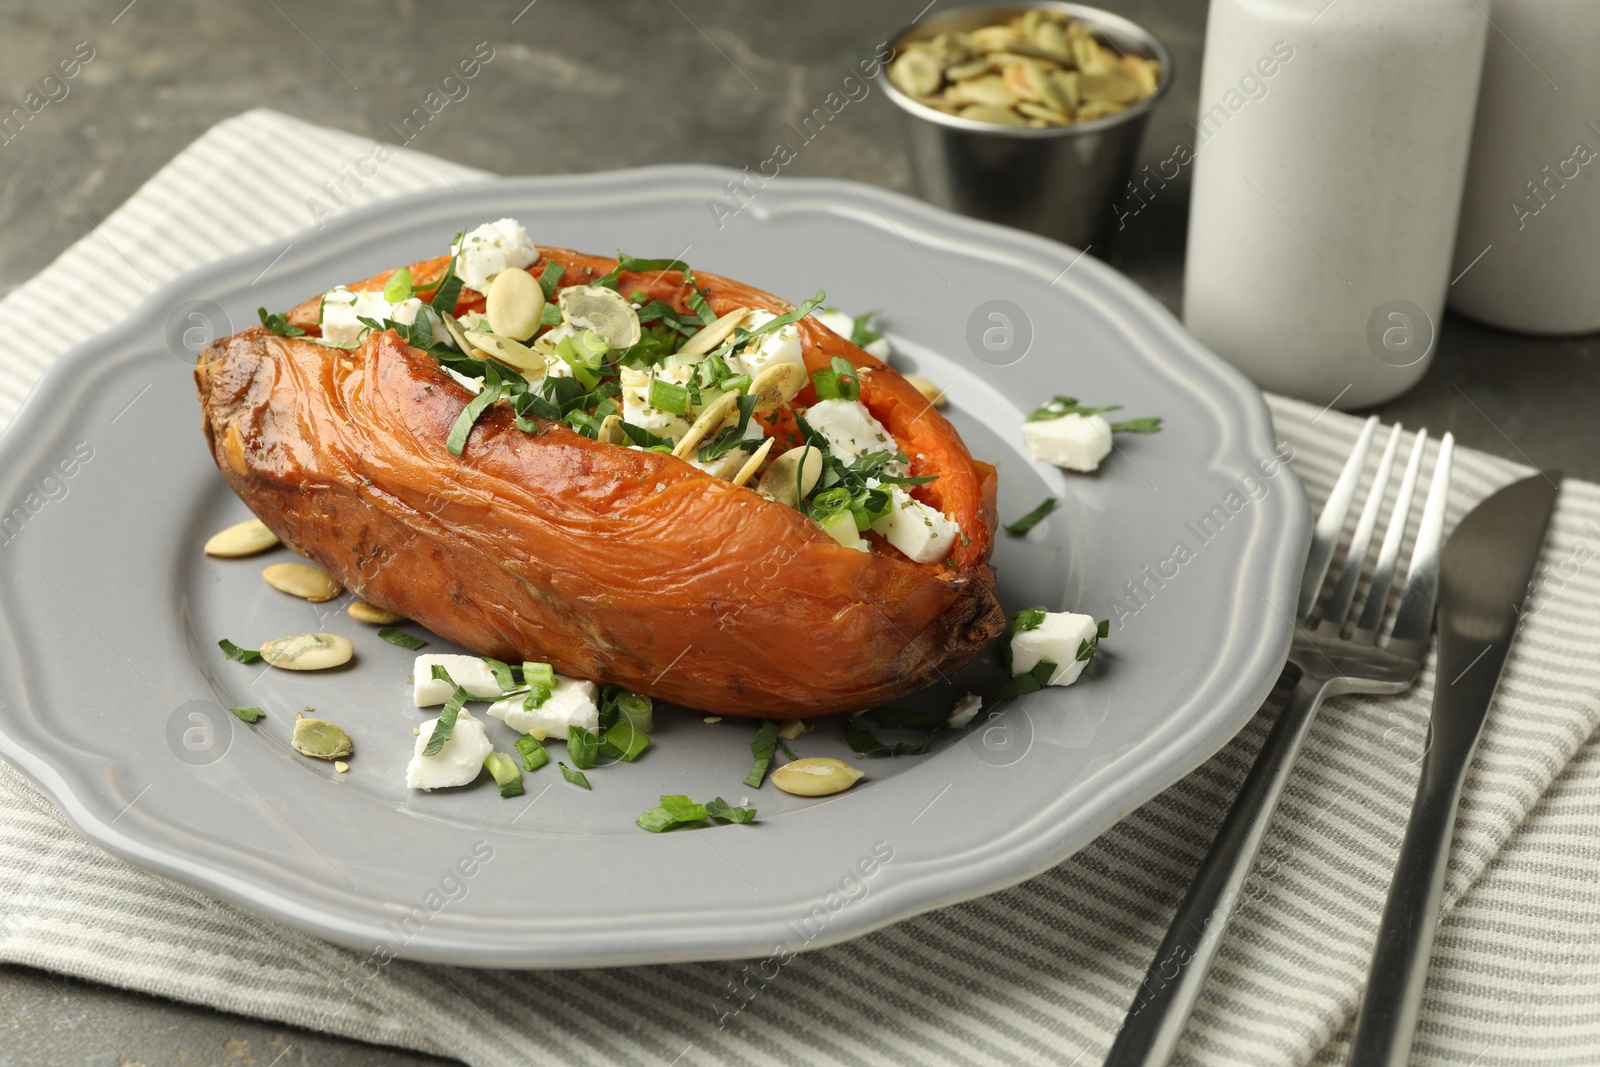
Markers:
<point>627,567</point>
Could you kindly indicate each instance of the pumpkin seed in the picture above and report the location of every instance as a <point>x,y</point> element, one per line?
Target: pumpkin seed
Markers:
<point>1000,116</point>
<point>308,652</point>
<point>987,91</point>
<point>777,384</point>
<point>1112,87</point>
<point>1043,114</point>
<point>816,776</point>
<point>299,579</point>
<point>709,420</point>
<point>361,611</point>
<point>970,68</point>
<point>244,539</point>
<point>508,351</point>
<point>916,72</point>
<point>1026,79</point>
<point>753,464</point>
<point>792,475</point>
<point>933,393</point>
<point>1051,36</point>
<point>457,333</point>
<point>319,739</point>
<point>611,432</point>
<point>605,311</point>
<point>514,304</point>
<point>714,334</point>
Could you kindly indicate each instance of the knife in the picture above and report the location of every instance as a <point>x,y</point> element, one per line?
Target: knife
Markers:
<point>1484,573</point>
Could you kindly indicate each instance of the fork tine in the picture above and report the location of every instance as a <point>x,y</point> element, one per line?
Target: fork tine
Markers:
<point>1389,552</point>
<point>1415,618</point>
<point>1350,574</point>
<point>1325,538</point>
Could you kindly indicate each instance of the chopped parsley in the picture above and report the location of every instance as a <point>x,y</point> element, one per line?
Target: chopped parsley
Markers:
<point>237,654</point>
<point>457,441</point>
<point>859,736</point>
<point>446,725</point>
<point>1032,518</point>
<point>448,291</point>
<point>396,636</point>
<point>1062,406</point>
<point>678,810</point>
<point>762,748</point>
<point>860,334</point>
<point>279,324</point>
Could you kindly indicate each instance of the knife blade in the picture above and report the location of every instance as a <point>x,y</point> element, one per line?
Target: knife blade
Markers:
<point>1484,574</point>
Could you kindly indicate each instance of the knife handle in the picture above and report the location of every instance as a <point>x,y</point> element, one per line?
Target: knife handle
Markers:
<point>1387,1021</point>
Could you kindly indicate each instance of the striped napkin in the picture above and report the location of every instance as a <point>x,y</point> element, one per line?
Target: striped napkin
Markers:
<point>1040,973</point>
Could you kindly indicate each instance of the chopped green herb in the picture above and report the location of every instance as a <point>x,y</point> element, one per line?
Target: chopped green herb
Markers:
<point>399,286</point>
<point>532,752</point>
<point>1023,621</point>
<point>583,746</point>
<point>249,714</point>
<point>644,438</point>
<point>762,748</point>
<point>575,777</point>
<point>448,290</point>
<point>1030,682</point>
<point>445,727</point>
<point>677,810</point>
<point>837,381</point>
<point>538,673</point>
<point>502,674</point>
<point>1090,645</point>
<point>905,718</point>
<point>1032,518</point>
<point>234,652</point>
<point>505,773</point>
<point>1062,406</point>
<point>457,441</point>
<point>622,741</point>
<point>858,735</point>
<point>279,324</point>
<point>549,278</point>
<point>860,335</point>
<point>734,436</point>
<point>550,316</point>
<point>397,636</point>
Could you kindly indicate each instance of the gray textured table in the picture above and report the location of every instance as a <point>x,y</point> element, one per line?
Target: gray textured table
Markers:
<point>572,87</point>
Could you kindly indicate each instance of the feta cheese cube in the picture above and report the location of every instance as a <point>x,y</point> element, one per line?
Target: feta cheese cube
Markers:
<point>965,711</point>
<point>780,346</point>
<point>490,249</point>
<point>472,385</point>
<point>573,702</point>
<point>457,763</point>
<point>342,311</point>
<point>1057,640</point>
<point>469,672</point>
<point>844,325</point>
<point>851,431</point>
<point>727,465</point>
<point>916,529</point>
<point>1076,442</point>
<point>636,407</point>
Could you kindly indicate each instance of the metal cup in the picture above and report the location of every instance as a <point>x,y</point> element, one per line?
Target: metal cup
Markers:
<point>1059,181</point>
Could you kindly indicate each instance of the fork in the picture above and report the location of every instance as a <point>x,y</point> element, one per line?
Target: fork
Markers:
<point>1332,659</point>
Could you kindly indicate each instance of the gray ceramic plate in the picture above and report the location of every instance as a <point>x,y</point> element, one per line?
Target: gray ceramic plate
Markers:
<point>112,689</point>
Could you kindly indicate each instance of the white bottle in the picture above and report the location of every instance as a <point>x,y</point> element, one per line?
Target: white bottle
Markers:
<point>1528,251</point>
<point>1331,147</point>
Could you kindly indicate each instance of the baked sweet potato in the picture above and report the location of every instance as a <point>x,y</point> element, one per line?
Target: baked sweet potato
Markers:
<point>624,566</point>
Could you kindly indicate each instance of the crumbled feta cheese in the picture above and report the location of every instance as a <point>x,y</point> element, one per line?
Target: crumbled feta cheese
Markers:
<point>1056,640</point>
<point>1076,442</point>
<point>572,703</point>
<point>475,320</point>
<point>490,249</point>
<point>473,385</point>
<point>636,407</point>
<point>780,346</point>
<point>457,763</point>
<point>545,345</point>
<point>844,326</point>
<point>343,310</point>
<point>469,672</point>
<point>851,431</point>
<point>727,465</point>
<point>965,710</point>
<point>916,529</point>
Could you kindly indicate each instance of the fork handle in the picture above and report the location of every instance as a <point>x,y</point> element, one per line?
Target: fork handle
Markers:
<point>1161,1007</point>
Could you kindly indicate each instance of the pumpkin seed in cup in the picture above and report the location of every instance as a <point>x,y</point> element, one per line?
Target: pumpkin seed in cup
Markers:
<point>1039,69</point>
